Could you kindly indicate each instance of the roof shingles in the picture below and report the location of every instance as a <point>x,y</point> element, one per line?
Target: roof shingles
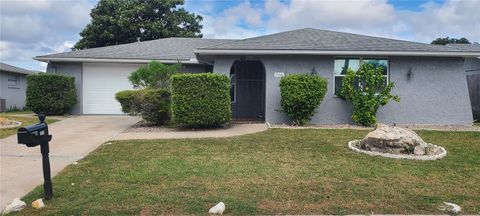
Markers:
<point>161,49</point>
<point>13,69</point>
<point>309,39</point>
<point>316,39</point>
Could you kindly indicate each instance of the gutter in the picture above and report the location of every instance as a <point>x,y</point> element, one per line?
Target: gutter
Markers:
<point>104,60</point>
<point>330,52</point>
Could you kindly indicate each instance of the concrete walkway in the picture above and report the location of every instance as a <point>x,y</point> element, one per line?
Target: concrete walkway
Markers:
<point>234,130</point>
<point>73,138</point>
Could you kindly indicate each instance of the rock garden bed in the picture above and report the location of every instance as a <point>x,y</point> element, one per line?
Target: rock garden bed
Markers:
<point>7,123</point>
<point>397,142</point>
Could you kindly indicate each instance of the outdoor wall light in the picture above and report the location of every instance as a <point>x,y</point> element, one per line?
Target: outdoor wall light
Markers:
<point>410,74</point>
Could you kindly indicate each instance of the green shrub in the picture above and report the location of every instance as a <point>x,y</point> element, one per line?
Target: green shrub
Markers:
<point>201,100</point>
<point>301,94</point>
<point>52,94</point>
<point>155,106</point>
<point>127,100</point>
<point>154,75</point>
<point>367,89</point>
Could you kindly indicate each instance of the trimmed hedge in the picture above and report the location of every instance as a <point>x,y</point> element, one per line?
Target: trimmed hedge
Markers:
<point>201,100</point>
<point>52,94</point>
<point>301,94</point>
<point>153,105</point>
<point>126,99</point>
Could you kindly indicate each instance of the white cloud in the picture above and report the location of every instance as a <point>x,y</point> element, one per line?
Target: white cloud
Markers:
<point>240,21</point>
<point>39,27</point>
<point>20,6</point>
<point>368,16</point>
<point>453,18</point>
<point>21,28</point>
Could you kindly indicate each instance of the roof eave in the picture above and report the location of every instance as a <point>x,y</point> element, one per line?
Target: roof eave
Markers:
<point>18,72</point>
<point>106,60</point>
<point>334,52</point>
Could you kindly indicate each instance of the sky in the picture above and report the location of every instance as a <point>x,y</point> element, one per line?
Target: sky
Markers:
<point>30,28</point>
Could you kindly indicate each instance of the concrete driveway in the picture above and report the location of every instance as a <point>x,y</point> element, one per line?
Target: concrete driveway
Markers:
<point>73,138</point>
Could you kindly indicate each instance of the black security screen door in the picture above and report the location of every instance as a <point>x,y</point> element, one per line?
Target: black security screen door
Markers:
<point>248,91</point>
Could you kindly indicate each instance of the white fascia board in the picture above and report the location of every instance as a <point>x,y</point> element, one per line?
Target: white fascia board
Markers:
<point>47,59</point>
<point>327,52</point>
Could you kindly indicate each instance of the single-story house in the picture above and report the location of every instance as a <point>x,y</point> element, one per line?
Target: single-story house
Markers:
<point>13,85</point>
<point>429,79</point>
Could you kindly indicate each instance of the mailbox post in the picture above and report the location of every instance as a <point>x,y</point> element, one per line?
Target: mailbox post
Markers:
<point>32,136</point>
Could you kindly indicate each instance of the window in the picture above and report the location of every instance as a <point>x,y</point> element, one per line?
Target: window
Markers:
<point>12,81</point>
<point>343,64</point>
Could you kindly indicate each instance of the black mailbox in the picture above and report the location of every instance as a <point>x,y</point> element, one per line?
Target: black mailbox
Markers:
<point>32,136</point>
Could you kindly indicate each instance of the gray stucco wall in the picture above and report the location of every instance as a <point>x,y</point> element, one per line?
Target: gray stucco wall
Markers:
<point>71,69</point>
<point>437,94</point>
<point>14,96</point>
<point>193,68</point>
<point>472,65</point>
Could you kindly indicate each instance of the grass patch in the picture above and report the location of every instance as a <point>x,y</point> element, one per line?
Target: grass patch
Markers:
<point>26,120</point>
<point>279,171</point>
<point>17,112</point>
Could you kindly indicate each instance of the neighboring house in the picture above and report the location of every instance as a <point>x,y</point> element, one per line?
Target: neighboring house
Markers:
<point>429,78</point>
<point>13,85</point>
<point>472,68</point>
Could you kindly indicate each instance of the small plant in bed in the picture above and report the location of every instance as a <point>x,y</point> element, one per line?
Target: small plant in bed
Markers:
<point>367,89</point>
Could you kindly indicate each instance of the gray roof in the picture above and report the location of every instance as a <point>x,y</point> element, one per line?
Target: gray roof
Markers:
<point>465,47</point>
<point>160,49</point>
<point>323,40</point>
<point>308,39</point>
<point>13,69</point>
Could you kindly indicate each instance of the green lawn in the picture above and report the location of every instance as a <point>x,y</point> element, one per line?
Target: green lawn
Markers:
<point>279,171</point>
<point>26,120</point>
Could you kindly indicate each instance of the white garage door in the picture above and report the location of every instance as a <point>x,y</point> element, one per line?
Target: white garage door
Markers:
<point>100,83</point>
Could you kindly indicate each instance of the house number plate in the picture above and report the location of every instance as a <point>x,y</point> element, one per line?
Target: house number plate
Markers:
<point>279,74</point>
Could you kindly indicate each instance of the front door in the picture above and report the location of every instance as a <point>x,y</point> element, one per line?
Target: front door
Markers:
<point>248,91</point>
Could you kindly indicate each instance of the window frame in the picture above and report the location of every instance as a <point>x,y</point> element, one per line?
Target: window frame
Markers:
<point>13,78</point>
<point>361,58</point>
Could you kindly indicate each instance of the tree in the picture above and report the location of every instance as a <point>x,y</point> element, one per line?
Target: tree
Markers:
<point>447,40</point>
<point>367,89</point>
<point>124,21</point>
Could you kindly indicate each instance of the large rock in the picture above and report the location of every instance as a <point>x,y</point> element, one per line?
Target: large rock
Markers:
<point>217,209</point>
<point>394,140</point>
<point>15,206</point>
<point>38,203</point>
